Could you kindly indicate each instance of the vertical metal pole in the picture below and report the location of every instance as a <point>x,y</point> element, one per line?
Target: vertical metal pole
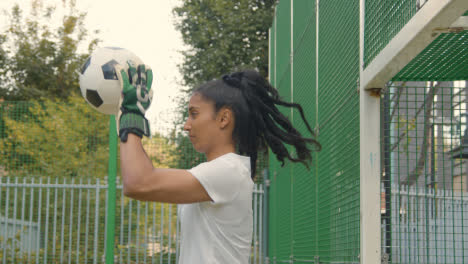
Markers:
<point>31,202</point>
<point>23,202</point>
<point>178,236</point>
<point>254,236</point>
<point>265,223</point>
<point>388,177</point>
<point>266,185</point>
<point>291,196</point>
<point>265,200</point>
<point>161,234</point>
<point>153,240</point>
<point>145,230</point>
<point>2,221</point>
<point>111,191</point>
<point>169,243</point>
<point>62,226</point>
<point>129,233</point>
<point>79,222</point>
<point>88,213</point>
<point>96,222</point>
<point>71,227</point>
<point>46,239</point>
<point>15,200</point>
<point>369,116</point>
<point>54,232</point>
<point>317,3</point>
<point>4,227</point>
<point>317,132</point>
<point>137,233</point>
<point>265,256</point>
<point>260,221</point>
<point>39,209</point>
<point>291,56</point>
<point>122,214</point>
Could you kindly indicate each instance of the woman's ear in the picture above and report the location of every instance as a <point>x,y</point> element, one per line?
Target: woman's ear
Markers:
<point>226,117</point>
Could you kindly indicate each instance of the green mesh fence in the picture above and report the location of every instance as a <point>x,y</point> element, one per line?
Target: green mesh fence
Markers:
<point>272,192</point>
<point>314,214</point>
<point>304,181</point>
<point>424,185</point>
<point>281,229</point>
<point>445,59</point>
<point>338,109</point>
<point>383,20</point>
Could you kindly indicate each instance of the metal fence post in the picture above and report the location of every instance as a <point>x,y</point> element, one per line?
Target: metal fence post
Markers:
<point>111,191</point>
<point>266,185</point>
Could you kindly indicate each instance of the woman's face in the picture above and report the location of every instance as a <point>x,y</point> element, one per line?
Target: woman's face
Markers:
<point>201,123</point>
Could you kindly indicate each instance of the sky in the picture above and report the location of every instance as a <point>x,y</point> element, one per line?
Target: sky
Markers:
<point>145,27</point>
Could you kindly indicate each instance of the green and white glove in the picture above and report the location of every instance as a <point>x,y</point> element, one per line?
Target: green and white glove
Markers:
<point>135,100</point>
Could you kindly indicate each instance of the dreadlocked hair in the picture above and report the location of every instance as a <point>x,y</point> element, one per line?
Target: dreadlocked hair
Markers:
<point>258,122</point>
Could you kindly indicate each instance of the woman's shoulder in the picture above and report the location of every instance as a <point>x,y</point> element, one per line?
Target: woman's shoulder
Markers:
<point>226,165</point>
<point>235,160</point>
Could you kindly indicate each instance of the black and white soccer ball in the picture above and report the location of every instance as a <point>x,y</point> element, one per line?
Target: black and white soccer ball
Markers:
<point>98,80</point>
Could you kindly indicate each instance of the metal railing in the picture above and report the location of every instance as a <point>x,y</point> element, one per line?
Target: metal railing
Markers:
<point>64,221</point>
<point>426,225</point>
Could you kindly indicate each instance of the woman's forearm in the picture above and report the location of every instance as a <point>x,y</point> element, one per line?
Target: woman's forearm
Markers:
<point>135,165</point>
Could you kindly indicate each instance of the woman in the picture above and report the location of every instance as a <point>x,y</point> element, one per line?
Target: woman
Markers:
<point>230,120</point>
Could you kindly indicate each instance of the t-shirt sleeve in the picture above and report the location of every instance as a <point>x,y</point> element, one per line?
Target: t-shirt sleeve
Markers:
<point>219,178</point>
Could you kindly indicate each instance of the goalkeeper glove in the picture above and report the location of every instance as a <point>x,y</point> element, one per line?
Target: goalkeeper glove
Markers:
<point>135,100</point>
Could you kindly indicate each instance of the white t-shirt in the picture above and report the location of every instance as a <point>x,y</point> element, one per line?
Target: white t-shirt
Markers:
<point>219,232</point>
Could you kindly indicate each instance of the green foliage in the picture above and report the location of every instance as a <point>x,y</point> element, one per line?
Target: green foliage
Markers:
<point>223,35</point>
<point>161,150</point>
<point>188,157</point>
<point>48,138</point>
<point>38,60</point>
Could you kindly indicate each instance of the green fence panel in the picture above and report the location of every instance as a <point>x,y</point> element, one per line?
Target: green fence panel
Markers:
<point>272,210</point>
<point>317,216</point>
<point>338,119</point>
<point>383,20</point>
<point>280,180</point>
<point>304,225</point>
<point>445,59</point>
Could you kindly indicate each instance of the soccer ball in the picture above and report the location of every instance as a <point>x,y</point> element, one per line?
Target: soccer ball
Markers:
<point>98,81</point>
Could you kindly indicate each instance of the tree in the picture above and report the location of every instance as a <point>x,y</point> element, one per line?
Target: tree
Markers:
<point>58,139</point>
<point>188,157</point>
<point>223,35</point>
<point>38,60</point>
<point>161,151</point>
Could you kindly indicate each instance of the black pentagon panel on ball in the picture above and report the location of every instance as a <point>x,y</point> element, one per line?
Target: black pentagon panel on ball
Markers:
<point>109,71</point>
<point>93,97</point>
<point>85,65</point>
